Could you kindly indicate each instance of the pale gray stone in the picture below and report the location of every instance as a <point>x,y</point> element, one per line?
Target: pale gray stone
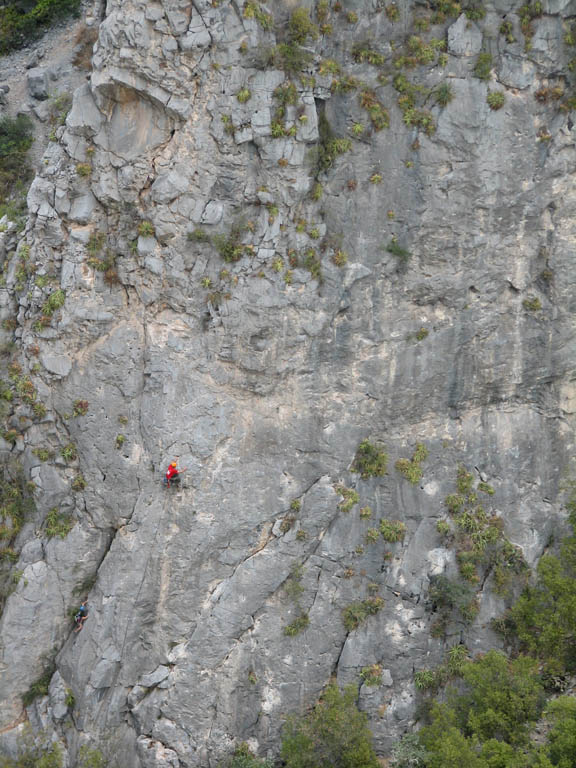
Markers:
<point>104,674</point>
<point>42,111</point>
<point>84,118</point>
<point>178,21</point>
<point>37,80</point>
<point>516,72</point>
<point>154,11</point>
<point>82,207</point>
<point>60,365</point>
<point>464,37</point>
<point>159,674</point>
<point>212,213</point>
<point>57,697</point>
<point>168,186</point>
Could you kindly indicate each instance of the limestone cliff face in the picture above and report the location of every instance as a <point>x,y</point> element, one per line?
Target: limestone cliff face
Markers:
<point>265,379</point>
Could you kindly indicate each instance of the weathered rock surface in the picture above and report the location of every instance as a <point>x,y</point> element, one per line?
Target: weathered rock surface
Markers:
<point>264,379</point>
<point>38,83</point>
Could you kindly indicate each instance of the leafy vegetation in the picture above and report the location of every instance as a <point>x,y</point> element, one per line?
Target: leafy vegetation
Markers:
<point>561,748</point>
<point>107,264</point>
<point>79,483</point>
<point>253,10</point>
<point>53,302</point>
<point>16,506</point>
<point>356,613</point>
<point>32,755</point>
<point>44,454</point>
<point>485,720</point>
<point>542,620</point>
<point>243,95</point>
<point>475,11</point>
<point>23,20</point>
<point>289,57</point>
<point>411,469</point>
<point>329,146</point>
<point>15,171</point>
<point>293,589</point>
<point>450,595</point>
<point>335,733</point>
<point>298,625</point>
<point>40,686</point>
<point>432,679</point>
<point>301,27</point>
<point>532,304</point>
<point>69,452</point>
<point>364,51</point>
<point>377,113</point>
<point>396,249</point>
<point>230,246</point>
<point>349,498</point>
<point>496,100</point>
<point>242,757</point>
<point>369,461</point>
<point>507,30</point>
<point>483,66</point>
<point>58,524</point>
<point>478,536</point>
<point>392,531</point>
<point>527,13</point>
<point>146,229</point>
<point>372,675</point>
<point>419,52</point>
<point>444,94</point>
<point>80,408</point>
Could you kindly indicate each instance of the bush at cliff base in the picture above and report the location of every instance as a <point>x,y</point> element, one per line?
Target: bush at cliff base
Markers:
<point>335,733</point>
<point>21,20</point>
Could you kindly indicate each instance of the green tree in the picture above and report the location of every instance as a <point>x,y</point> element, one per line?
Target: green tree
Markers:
<point>22,19</point>
<point>498,754</point>
<point>242,757</point>
<point>15,140</point>
<point>544,616</point>
<point>409,753</point>
<point>484,722</point>
<point>446,744</point>
<point>562,738</point>
<point>334,734</point>
<point>32,756</point>
<point>501,697</point>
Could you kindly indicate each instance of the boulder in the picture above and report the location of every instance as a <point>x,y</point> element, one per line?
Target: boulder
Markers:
<point>168,186</point>
<point>37,80</point>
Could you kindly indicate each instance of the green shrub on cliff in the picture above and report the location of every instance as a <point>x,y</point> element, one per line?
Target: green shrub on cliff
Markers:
<point>15,172</point>
<point>369,461</point>
<point>21,20</point>
<point>561,747</point>
<point>242,757</point>
<point>544,617</point>
<point>485,721</point>
<point>32,756</point>
<point>335,733</point>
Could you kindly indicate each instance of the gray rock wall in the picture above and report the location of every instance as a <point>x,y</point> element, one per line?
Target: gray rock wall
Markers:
<point>264,379</point>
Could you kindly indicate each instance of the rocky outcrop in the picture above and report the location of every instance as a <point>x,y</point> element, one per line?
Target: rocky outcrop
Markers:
<point>244,293</point>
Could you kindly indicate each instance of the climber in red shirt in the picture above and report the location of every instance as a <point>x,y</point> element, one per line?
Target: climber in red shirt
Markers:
<point>173,474</point>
